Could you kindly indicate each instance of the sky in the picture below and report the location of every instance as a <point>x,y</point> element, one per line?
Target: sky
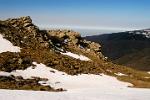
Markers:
<point>81,14</point>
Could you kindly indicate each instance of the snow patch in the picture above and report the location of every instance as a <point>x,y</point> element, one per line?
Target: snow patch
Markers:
<point>146,33</point>
<point>6,45</point>
<point>58,79</point>
<point>4,73</point>
<point>86,94</point>
<point>80,87</point>
<point>120,74</point>
<point>76,56</point>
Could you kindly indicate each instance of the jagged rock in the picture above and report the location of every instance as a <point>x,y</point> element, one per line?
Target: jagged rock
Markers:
<point>95,46</point>
<point>74,40</point>
<point>20,61</point>
<point>44,45</point>
<point>63,33</point>
<point>23,33</point>
<point>22,21</point>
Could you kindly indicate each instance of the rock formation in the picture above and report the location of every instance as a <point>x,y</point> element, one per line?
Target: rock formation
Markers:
<point>47,47</point>
<point>23,33</point>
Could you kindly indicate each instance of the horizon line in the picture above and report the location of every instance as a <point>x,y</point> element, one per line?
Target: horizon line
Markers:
<point>85,27</point>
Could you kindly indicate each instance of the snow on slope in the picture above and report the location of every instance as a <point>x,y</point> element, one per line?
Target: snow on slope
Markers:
<point>5,46</point>
<point>81,94</point>
<point>59,79</point>
<point>79,87</point>
<point>146,32</point>
<point>80,57</point>
<point>120,74</point>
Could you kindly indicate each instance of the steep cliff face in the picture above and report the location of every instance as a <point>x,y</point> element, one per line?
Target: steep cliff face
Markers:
<point>63,50</point>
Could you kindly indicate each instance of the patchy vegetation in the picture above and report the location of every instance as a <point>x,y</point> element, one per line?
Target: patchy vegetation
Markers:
<point>12,82</point>
<point>44,46</point>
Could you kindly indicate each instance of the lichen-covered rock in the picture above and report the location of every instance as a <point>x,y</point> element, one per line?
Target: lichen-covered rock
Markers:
<point>22,21</point>
<point>74,40</point>
<point>23,33</point>
<point>44,46</point>
<point>64,33</point>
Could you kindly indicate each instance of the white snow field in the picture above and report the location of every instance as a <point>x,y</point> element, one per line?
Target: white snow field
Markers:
<point>79,87</point>
<point>6,45</point>
<point>76,56</point>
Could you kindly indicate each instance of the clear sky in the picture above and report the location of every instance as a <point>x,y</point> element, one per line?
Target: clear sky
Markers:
<point>117,14</point>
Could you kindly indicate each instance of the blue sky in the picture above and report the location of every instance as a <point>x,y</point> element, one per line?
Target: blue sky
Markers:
<point>96,14</point>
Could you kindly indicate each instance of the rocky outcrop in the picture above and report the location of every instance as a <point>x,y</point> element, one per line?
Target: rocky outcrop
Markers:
<point>72,39</point>
<point>44,46</point>
<point>47,47</point>
<point>23,33</point>
<point>20,31</point>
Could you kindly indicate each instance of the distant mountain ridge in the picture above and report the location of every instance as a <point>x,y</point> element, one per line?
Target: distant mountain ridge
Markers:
<point>129,48</point>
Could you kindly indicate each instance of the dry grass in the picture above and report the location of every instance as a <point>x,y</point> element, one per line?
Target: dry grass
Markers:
<point>33,51</point>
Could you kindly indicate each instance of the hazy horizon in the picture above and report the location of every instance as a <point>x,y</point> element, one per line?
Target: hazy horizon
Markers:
<point>87,31</point>
<point>81,14</point>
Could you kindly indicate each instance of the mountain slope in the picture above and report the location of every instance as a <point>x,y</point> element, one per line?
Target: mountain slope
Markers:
<point>138,60</point>
<point>126,48</point>
<point>62,50</point>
